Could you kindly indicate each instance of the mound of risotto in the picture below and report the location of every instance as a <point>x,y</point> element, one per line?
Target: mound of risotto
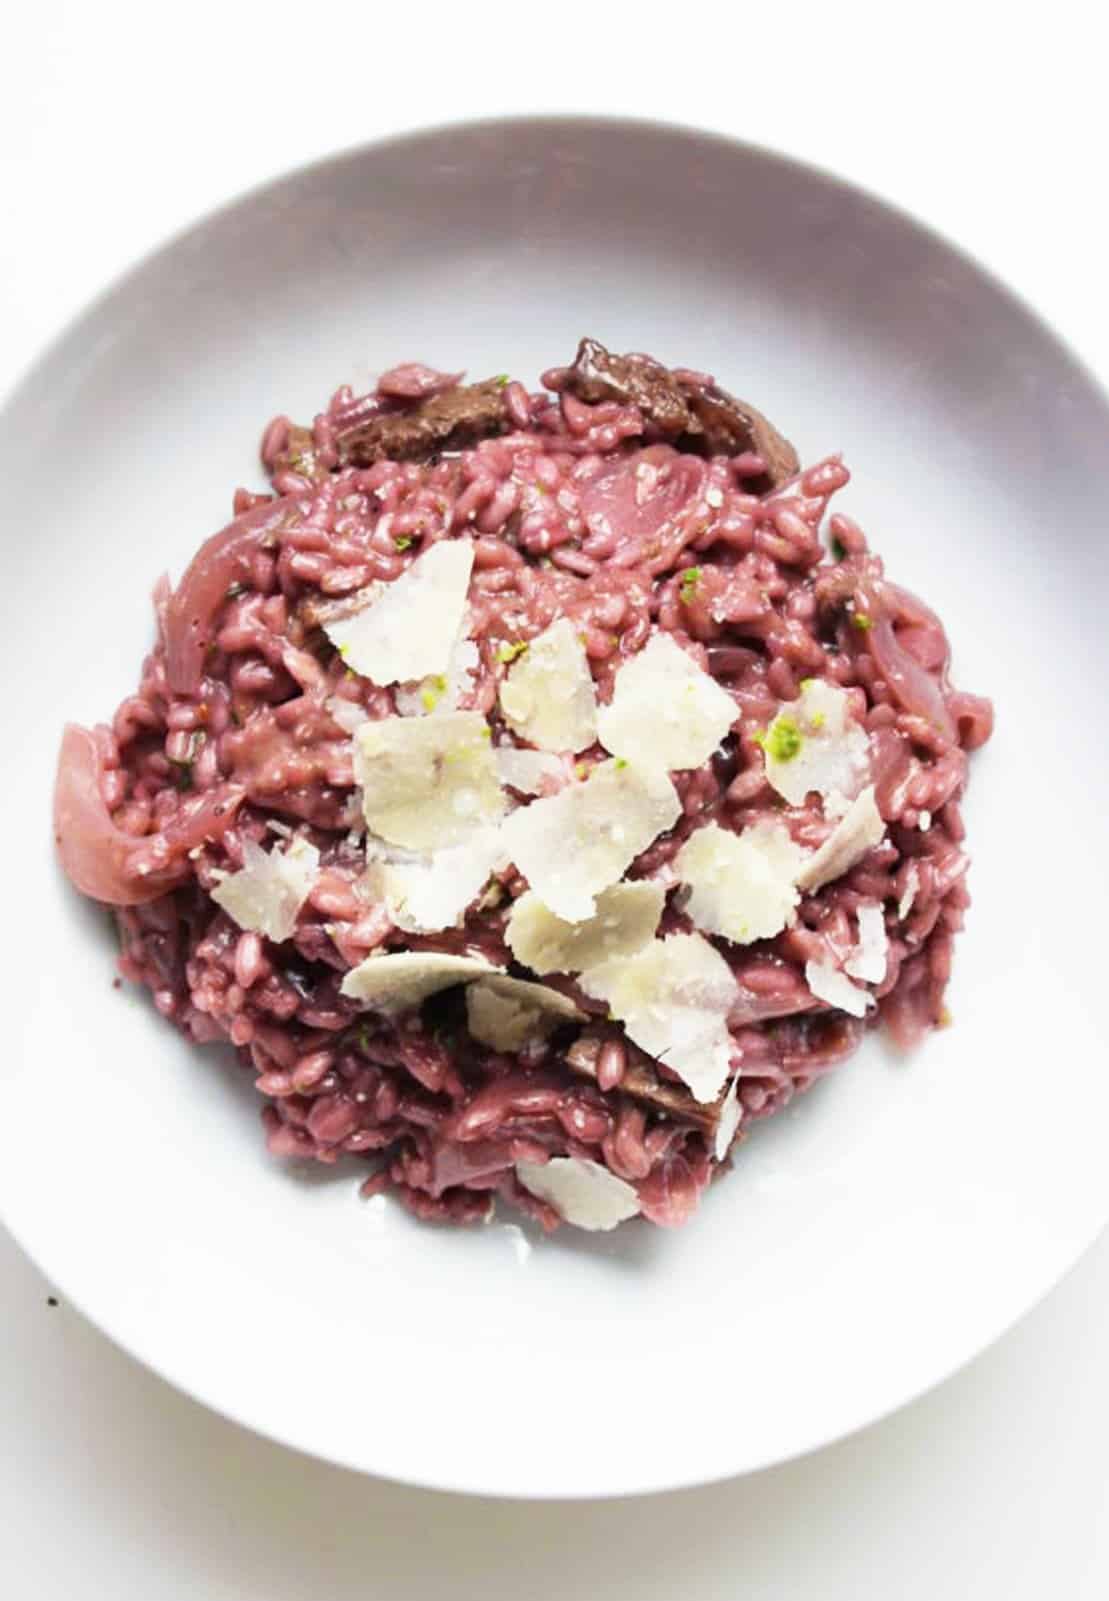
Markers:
<point>528,794</point>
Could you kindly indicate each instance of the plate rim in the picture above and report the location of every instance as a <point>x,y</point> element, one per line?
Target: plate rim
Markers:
<point>590,122</point>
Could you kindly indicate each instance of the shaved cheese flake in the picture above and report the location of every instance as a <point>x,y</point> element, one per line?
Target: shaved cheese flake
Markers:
<point>673,998</point>
<point>508,1012</point>
<point>400,982</point>
<point>742,886</point>
<point>409,629</point>
<point>425,893</point>
<point>573,845</point>
<point>530,772</point>
<point>268,893</point>
<point>441,692</point>
<point>731,1113</point>
<point>346,713</point>
<point>625,920</point>
<point>827,983</point>
<point>547,695</point>
<point>912,885</point>
<point>868,960</point>
<point>582,1193</point>
<point>856,833</point>
<point>428,782</point>
<point>815,744</point>
<point>924,821</point>
<point>665,709</point>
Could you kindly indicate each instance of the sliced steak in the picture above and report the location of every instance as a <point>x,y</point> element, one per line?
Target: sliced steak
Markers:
<point>687,409</point>
<point>299,456</point>
<point>449,420</point>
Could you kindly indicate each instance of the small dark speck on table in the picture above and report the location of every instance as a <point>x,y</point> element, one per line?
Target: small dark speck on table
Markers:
<point>51,1300</point>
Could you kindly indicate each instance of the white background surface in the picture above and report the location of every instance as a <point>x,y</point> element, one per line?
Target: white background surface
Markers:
<point>114,130</point>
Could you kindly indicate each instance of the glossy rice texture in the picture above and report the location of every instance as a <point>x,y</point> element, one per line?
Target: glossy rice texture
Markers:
<point>575,511</point>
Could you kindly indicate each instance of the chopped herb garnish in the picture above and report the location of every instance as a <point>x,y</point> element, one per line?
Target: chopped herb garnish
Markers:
<point>402,541</point>
<point>837,547</point>
<point>817,720</point>
<point>782,739</point>
<point>690,579</point>
<point>581,770</point>
<point>860,620</point>
<point>430,699</point>
<point>508,650</point>
<point>620,764</point>
<point>502,380</point>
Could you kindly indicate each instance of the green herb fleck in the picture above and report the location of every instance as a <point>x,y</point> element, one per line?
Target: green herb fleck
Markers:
<point>782,740</point>
<point>581,770</point>
<point>508,650</point>
<point>402,541</point>
<point>620,764</point>
<point>837,547</point>
<point>502,380</point>
<point>690,579</point>
<point>817,720</point>
<point>860,620</point>
<point>430,699</point>
<point>807,683</point>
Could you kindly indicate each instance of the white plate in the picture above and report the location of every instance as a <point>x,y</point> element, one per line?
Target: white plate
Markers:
<point>896,1219</point>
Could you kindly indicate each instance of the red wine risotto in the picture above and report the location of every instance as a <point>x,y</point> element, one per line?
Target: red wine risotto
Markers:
<point>532,791</point>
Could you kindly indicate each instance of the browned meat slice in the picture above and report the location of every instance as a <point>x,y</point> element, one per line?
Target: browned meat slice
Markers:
<point>299,456</point>
<point>633,380</point>
<point>447,421</point>
<point>643,1083</point>
<point>687,409</point>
